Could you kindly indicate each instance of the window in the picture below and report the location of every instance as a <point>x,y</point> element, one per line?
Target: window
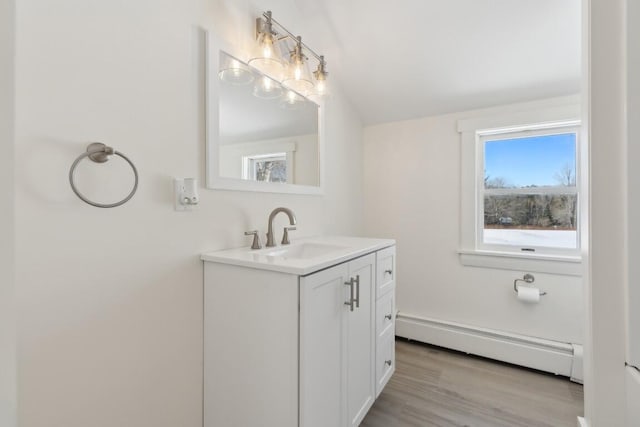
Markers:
<point>265,167</point>
<point>527,195</point>
<point>521,188</point>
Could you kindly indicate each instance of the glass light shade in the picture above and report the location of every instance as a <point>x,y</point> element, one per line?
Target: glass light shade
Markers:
<point>234,72</point>
<point>299,77</point>
<point>267,88</point>
<point>268,57</point>
<point>322,89</point>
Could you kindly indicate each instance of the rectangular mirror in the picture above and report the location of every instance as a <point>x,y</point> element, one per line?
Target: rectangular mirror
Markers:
<point>261,136</point>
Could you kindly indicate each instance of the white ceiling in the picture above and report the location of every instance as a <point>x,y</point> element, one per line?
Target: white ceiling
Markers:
<point>404,59</point>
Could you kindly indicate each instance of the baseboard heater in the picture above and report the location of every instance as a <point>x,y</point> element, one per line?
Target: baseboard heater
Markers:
<point>545,355</point>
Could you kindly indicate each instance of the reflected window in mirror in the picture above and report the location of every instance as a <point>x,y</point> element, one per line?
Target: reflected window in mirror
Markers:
<point>265,167</point>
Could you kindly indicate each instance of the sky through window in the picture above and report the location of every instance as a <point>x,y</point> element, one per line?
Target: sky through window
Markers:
<point>530,161</point>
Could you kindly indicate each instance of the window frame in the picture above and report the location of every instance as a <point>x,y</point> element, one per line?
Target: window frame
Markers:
<point>536,114</point>
<point>505,133</point>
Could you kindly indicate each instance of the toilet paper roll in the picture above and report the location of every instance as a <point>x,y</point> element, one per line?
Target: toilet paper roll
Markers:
<point>528,294</point>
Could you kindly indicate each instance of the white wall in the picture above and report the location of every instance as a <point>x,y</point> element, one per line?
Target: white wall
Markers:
<point>110,301</point>
<point>604,370</point>
<point>7,298</point>
<point>413,192</point>
<point>633,212</point>
<point>633,178</point>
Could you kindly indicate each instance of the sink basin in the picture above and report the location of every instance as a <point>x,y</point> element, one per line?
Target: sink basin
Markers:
<point>302,257</point>
<point>304,250</point>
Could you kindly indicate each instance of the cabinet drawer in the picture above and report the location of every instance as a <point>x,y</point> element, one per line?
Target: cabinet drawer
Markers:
<point>386,270</point>
<point>385,318</point>
<point>385,360</point>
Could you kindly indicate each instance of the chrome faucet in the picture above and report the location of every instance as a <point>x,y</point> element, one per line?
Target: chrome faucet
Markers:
<point>292,220</point>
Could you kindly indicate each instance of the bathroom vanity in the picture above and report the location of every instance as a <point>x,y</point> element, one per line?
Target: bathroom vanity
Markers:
<point>300,335</point>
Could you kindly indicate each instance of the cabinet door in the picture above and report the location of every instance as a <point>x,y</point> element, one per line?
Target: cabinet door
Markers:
<point>361,341</point>
<point>323,348</point>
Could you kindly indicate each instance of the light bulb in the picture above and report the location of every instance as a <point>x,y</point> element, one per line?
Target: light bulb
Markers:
<point>267,56</point>
<point>267,46</point>
<point>267,50</point>
<point>297,71</point>
<point>321,87</point>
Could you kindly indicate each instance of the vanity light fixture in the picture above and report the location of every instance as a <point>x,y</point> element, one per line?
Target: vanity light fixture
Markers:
<point>268,59</point>
<point>270,35</point>
<point>321,77</point>
<point>298,76</point>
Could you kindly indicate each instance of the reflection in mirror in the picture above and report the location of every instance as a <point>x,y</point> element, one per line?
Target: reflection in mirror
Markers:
<point>267,133</point>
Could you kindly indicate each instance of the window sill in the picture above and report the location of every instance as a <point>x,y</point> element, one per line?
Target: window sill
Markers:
<point>552,264</point>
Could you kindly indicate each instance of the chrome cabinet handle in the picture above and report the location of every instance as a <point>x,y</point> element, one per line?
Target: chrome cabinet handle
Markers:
<point>357,291</point>
<point>388,316</point>
<point>388,272</point>
<point>387,362</point>
<point>352,300</point>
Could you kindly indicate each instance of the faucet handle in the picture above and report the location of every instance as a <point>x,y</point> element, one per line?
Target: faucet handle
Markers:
<point>285,236</point>
<point>256,239</point>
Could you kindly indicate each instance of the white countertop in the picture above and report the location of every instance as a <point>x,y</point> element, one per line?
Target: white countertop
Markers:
<point>338,250</point>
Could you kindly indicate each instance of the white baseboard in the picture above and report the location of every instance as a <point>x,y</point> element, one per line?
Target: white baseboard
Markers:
<point>582,422</point>
<point>545,355</point>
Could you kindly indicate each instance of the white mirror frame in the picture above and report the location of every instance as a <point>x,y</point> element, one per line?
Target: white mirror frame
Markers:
<point>214,181</point>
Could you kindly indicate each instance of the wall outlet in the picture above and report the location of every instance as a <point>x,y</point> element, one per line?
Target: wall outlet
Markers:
<point>185,194</point>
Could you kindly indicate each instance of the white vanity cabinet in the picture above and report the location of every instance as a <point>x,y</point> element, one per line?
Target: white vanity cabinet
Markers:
<point>297,350</point>
<point>337,344</point>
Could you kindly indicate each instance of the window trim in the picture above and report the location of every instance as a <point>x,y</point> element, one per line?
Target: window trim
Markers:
<point>482,136</point>
<point>539,114</point>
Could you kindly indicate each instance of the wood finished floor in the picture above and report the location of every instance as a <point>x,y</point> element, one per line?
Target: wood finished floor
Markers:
<point>436,387</point>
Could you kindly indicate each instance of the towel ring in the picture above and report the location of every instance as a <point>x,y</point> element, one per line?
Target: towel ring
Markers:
<point>99,153</point>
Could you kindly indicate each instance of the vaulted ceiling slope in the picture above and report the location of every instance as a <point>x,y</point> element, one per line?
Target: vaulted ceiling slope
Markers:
<point>404,59</point>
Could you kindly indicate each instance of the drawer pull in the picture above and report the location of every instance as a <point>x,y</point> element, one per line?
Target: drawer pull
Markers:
<point>388,316</point>
<point>388,272</point>
<point>387,362</point>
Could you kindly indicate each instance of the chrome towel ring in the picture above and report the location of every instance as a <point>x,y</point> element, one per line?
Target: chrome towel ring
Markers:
<point>99,153</point>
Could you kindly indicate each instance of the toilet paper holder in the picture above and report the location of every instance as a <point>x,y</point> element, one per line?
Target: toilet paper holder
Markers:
<point>527,278</point>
